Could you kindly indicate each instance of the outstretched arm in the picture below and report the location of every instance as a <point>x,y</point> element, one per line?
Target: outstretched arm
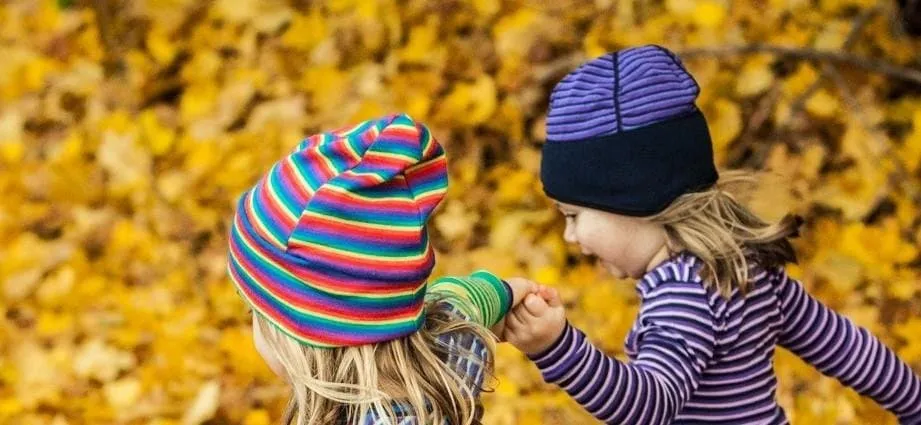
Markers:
<point>838,348</point>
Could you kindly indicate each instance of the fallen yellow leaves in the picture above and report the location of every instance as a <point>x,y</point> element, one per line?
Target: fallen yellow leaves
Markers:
<point>126,138</point>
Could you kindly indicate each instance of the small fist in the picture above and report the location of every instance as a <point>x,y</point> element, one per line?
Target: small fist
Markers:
<point>521,287</point>
<point>535,324</point>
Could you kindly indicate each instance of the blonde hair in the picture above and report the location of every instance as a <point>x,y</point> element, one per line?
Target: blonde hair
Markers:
<point>716,227</point>
<point>343,385</point>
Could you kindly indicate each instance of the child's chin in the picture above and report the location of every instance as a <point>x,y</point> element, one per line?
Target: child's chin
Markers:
<point>613,271</point>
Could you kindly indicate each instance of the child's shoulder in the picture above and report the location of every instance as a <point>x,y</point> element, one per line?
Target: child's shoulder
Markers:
<point>674,280</point>
<point>682,269</point>
<point>682,272</point>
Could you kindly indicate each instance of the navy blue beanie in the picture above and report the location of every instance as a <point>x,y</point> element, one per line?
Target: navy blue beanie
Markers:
<point>624,134</point>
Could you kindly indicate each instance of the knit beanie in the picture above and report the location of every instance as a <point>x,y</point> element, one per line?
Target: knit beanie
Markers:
<point>330,245</point>
<point>624,134</point>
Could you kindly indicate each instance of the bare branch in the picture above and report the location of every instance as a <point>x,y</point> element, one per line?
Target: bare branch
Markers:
<point>838,58</point>
<point>880,148</point>
<point>860,21</point>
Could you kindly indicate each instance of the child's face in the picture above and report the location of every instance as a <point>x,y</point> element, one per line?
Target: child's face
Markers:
<point>263,348</point>
<point>626,246</point>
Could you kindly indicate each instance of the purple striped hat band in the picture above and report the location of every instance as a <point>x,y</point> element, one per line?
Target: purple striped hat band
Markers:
<point>625,136</point>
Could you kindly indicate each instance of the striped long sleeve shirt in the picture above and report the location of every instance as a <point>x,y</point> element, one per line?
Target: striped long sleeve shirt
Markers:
<point>697,357</point>
<point>481,298</point>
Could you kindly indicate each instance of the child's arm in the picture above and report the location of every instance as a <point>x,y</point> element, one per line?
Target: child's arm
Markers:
<point>674,344</point>
<point>482,296</point>
<point>838,348</point>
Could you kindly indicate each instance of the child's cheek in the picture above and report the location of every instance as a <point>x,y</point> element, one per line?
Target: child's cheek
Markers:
<point>267,354</point>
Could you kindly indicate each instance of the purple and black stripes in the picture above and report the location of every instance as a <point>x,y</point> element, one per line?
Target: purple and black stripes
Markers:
<point>582,104</point>
<point>696,357</point>
<point>618,92</point>
<point>624,134</point>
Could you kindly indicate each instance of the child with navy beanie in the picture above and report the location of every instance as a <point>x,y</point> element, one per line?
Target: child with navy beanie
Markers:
<point>629,161</point>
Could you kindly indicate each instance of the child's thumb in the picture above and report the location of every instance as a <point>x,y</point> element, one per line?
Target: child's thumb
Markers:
<point>535,305</point>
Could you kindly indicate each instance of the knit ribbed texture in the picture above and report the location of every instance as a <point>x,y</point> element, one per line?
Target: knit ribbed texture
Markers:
<point>330,245</point>
<point>695,357</point>
<point>624,134</point>
<point>482,296</point>
<point>619,92</point>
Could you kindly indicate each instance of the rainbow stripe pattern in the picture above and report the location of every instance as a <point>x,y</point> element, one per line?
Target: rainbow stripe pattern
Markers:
<point>330,245</point>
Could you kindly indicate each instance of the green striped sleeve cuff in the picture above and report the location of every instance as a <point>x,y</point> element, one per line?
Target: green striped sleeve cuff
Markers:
<point>482,293</point>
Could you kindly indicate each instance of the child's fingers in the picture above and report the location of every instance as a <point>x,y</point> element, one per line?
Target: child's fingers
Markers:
<point>551,296</point>
<point>499,330</point>
<point>535,305</point>
<point>544,292</point>
<point>513,337</point>
<point>520,288</point>
<point>513,320</point>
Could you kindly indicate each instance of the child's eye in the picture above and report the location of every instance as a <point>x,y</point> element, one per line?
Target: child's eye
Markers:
<point>569,216</point>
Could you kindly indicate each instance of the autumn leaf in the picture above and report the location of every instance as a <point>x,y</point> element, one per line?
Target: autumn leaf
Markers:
<point>470,103</point>
<point>127,137</point>
<point>755,77</point>
<point>257,417</point>
<point>725,124</point>
<point>306,31</point>
<point>205,404</point>
<point>99,360</point>
<point>911,147</point>
<point>708,14</point>
<point>822,104</point>
<point>422,46</point>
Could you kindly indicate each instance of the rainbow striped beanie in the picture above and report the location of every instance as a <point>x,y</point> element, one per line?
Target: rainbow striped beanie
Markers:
<point>330,245</point>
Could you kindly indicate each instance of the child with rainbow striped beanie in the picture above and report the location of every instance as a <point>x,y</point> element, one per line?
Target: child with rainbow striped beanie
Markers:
<point>331,253</point>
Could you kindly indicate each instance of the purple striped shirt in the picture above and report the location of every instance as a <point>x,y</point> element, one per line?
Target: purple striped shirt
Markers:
<point>695,356</point>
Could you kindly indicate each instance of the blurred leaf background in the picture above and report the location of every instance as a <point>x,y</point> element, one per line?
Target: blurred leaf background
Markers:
<point>129,127</point>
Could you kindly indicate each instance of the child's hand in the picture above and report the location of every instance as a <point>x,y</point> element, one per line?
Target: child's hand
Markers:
<point>521,287</point>
<point>535,324</point>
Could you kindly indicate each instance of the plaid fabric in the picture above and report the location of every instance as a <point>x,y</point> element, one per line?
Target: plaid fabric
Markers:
<point>469,365</point>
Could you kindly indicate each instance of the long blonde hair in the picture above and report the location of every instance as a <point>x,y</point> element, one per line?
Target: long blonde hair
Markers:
<point>343,385</point>
<point>715,226</point>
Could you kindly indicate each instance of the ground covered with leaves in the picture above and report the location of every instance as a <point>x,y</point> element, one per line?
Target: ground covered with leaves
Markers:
<point>128,129</point>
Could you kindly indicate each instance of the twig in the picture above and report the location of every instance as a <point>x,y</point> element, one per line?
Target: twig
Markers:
<point>909,17</point>
<point>881,149</point>
<point>106,25</point>
<point>840,58</point>
<point>853,35</point>
<point>758,117</point>
<point>766,105</point>
<point>161,88</point>
<point>763,111</point>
